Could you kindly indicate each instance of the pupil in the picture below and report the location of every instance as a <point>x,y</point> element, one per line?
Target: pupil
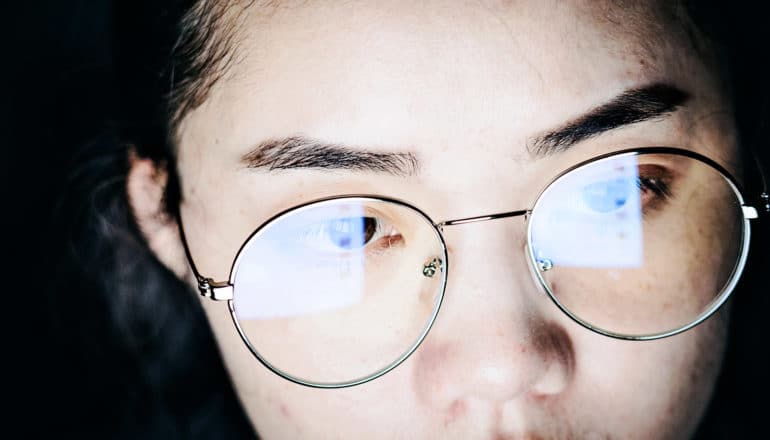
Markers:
<point>352,233</point>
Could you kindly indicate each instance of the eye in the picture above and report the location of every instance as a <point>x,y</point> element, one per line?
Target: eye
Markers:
<point>655,186</point>
<point>651,186</point>
<point>348,234</point>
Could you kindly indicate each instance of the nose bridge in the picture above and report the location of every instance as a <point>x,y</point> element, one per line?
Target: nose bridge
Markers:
<point>484,253</point>
<point>491,339</point>
<point>488,261</point>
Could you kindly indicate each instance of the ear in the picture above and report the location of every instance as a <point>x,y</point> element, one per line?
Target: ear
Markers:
<point>145,186</point>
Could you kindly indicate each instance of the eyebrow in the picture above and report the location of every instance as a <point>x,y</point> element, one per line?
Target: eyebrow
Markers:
<point>632,106</point>
<point>303,152</point>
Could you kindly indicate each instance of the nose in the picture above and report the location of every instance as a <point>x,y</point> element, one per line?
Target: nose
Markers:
<point>497,337</point>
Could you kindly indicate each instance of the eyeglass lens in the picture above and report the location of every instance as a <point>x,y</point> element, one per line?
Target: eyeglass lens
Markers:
<point>638,245</point>
<point>337,291</point>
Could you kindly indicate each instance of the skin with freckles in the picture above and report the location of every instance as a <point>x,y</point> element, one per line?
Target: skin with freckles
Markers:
<point>464,87</point>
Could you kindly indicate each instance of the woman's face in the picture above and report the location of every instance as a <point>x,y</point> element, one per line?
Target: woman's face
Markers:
<point>464,87</point>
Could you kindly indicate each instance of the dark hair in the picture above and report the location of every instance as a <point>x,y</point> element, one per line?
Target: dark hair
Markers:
<point>129,332</point>
<point>133,334</point>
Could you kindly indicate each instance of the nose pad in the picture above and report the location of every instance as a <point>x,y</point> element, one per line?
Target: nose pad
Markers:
<point>492,339</point>
<point>432,266</point>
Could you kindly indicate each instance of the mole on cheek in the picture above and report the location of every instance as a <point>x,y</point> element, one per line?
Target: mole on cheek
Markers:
<point>291,427</point>
<point>285,411</point>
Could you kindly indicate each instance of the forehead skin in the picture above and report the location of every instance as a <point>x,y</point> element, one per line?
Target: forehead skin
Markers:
<point>536,57</point>
<point>465,86</point>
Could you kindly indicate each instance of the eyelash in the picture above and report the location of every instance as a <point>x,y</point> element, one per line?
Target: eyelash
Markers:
<point>381,239</point>
<point>655,188</point>
<point>655,184</point>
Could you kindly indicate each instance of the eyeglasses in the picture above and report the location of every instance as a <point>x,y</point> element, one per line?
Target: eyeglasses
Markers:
<point>639,244</point>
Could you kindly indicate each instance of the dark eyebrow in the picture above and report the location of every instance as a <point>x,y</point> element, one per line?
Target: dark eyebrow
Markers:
<point>301,152</point>
<point>629,107</point>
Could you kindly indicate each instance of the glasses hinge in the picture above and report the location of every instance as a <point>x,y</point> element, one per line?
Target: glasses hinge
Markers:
<point>765,200</point>
<point>216,290</point>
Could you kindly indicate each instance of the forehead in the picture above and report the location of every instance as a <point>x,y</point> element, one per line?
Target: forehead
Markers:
<point>395,72</point>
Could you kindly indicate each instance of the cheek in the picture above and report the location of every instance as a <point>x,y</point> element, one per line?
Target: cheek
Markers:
<point>278,408</point>
<point>631,389</point>
<point>655,389</point>
<point>255,388</point>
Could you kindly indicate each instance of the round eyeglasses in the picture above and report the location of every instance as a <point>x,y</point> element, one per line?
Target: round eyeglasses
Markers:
<point>638,244</point>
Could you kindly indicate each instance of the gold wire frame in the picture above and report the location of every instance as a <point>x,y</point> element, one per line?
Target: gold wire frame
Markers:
<point>223,291</point>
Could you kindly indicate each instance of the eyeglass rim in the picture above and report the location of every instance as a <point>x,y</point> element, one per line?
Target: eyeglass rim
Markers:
<point>718,300</point>
<point>392,365</point>
<point>438,228</point>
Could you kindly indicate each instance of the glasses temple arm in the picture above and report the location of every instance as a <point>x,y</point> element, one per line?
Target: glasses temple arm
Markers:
<point>216,290</point>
